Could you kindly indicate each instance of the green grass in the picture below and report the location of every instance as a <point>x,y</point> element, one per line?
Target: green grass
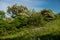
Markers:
<point>51,28</point>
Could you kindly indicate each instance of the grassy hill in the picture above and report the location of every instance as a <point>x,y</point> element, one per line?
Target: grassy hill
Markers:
<point>51,31</point>
<point>24,24</point>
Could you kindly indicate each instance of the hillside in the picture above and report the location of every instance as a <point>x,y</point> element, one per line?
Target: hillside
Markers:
<point>25,24</point>
<point>51,31</point>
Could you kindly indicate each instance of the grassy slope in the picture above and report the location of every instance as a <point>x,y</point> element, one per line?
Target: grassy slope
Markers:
<point>52,28</point>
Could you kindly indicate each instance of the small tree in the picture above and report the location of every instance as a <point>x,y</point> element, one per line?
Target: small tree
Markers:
<point>16,10</point>
<point>2,14</point>
<point>48,14</point>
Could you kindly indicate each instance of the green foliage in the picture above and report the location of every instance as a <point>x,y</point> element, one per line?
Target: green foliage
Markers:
<point>25,24</point>
<point>17,10</point>
<point>2,14</point>
<point>48,14</point>
<point>20,21</point>
<point>58,15</point>
<point>52,31</point>
<point>34,19</point>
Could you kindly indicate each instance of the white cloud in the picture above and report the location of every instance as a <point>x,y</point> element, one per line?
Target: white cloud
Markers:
<point>3,6</point>
<point>34,2</point>
<point>29,3</point>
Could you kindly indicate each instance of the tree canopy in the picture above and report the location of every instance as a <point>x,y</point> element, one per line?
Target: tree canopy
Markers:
<point>17,10</point>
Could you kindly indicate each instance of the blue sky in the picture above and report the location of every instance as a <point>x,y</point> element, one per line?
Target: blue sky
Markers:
<point>32,4</point>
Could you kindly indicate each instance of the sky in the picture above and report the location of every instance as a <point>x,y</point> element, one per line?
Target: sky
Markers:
<point>32,4</point>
